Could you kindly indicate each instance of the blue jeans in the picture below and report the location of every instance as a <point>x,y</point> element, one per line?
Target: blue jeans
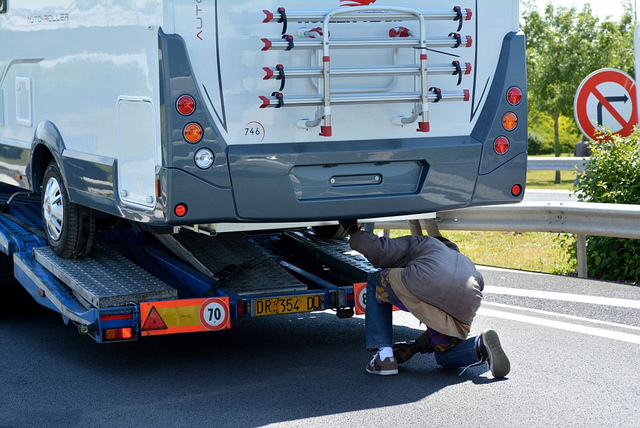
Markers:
<point>379,331</point>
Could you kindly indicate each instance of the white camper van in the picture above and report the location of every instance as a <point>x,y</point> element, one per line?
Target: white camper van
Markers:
<point>202,112</point>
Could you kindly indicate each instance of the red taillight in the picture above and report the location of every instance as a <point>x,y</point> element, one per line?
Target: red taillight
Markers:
<point>180,210</point>
<point>516,190</point>
<point>509,121</point>
<point>193,132</point>
<point>501,145</point>
<point>118,333</point>
<point>240,308</point>
<point>514,96</point>
<point>186,105</point>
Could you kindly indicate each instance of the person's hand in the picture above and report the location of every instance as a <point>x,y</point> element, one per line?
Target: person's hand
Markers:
<point>350,226</point>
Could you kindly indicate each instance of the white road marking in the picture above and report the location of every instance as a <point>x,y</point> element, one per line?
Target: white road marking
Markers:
<point>567,297</point>
<point>609,334</point>
<point>555,314</point>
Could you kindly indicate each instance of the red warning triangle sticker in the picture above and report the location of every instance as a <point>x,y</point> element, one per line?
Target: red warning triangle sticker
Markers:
<point>154,321</point>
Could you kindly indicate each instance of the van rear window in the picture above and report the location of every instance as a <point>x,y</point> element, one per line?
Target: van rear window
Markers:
<point>3,6</point>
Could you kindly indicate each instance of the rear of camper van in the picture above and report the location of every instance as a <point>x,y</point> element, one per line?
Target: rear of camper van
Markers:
<point>193,112</point>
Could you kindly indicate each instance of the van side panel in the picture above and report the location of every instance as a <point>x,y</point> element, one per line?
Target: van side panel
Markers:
<point>72,62</point>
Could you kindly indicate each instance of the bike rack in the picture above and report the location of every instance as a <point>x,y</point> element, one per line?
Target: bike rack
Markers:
<point>318,40</point>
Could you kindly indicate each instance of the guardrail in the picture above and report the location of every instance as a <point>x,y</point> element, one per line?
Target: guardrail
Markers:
<point>555,164</point>
<point>579,218</point>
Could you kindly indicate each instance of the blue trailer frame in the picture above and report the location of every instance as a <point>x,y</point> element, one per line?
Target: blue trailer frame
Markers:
<point>21,238</point>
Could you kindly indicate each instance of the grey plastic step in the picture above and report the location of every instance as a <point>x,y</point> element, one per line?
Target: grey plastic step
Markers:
<point>105,278</point>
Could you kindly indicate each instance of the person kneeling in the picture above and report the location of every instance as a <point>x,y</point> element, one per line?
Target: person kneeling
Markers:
<point>429,277</point>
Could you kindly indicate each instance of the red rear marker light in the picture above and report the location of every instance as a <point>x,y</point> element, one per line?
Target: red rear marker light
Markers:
<point>514,96</point>
<point>516,190</point>
<point>118,333</point>
<point>180,210</point>
<point>118,317</point>
<point>240,308</point>
<point>193,132</point>
<point>509,121</point>
<point>501,145</point>
<point>186,105</point>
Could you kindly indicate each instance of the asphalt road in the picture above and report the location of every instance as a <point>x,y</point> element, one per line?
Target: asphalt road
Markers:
<point>574,346</point>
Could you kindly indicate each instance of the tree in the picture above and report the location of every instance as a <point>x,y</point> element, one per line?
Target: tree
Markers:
<point>563,47</point>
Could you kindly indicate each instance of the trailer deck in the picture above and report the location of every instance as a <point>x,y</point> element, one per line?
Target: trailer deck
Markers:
<point>137,284</point>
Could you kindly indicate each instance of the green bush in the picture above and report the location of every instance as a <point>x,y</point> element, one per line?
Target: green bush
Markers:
<point>535,144</point>
<point>612,175</point>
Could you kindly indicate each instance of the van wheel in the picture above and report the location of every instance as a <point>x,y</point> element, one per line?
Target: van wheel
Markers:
<point>69,228</point>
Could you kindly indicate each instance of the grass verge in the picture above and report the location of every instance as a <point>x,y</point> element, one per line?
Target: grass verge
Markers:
<point>529,251</point>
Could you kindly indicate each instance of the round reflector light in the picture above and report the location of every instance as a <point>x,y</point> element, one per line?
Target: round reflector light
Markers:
<point>516,190</point>
<point>193,132</point>
<point>204,158</point>
<point>509,121</point>
<point>186,105</point>
<point>501,145</point>
<point>180,210</point>
<point>514,96</point>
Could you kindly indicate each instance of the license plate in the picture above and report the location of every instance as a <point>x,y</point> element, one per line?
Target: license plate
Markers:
<point>287,304</point>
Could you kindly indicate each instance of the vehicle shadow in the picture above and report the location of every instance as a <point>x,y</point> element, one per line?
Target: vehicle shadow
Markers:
<point>262,371</point>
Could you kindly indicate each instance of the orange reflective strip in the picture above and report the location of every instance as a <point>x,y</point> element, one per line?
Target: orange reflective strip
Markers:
<point>180,316</point>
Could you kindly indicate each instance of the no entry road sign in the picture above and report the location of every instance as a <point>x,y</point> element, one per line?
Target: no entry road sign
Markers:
<point>606,99</point>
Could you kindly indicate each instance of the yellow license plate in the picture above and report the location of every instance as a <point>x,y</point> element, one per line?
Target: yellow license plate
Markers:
<point>287,305</point>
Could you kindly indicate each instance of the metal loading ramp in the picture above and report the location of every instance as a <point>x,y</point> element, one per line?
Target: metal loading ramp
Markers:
<point>333,252</point>
<point>105,278</point>
<point>235,262</point>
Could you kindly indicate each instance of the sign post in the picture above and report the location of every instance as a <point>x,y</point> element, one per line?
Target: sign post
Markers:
<point>606,100</point>
<point>636,44</point>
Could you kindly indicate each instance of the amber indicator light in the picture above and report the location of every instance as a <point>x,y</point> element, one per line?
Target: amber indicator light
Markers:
<point>193,132</point>
<point>510,121</point>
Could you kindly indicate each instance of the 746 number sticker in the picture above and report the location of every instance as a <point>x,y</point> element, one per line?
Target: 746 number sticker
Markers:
<point>253,132</point>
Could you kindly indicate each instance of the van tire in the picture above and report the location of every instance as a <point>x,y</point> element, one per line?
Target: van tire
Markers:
<point>330,231</point>
<point>69,228</point>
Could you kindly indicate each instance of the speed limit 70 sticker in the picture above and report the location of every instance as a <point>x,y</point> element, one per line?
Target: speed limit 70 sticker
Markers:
<point>214,313</point>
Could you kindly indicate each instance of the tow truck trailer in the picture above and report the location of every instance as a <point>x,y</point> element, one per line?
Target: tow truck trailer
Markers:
<point>139,283</point>
<point>165,158</point>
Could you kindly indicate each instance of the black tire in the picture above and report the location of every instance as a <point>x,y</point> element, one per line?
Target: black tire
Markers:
<point>69,228</point>
<point>331,232</point>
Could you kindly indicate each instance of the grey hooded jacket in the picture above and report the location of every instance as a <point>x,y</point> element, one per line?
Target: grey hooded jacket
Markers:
<point>434,272</point>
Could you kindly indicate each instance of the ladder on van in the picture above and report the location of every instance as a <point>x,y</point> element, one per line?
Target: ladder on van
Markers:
<point>318,40</point>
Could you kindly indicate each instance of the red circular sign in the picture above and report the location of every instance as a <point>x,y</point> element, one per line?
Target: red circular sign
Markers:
<point>606,99</point>
<point>214,313</point>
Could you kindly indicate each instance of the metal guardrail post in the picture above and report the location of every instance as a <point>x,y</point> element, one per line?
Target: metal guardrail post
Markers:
<point>581,254</point>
